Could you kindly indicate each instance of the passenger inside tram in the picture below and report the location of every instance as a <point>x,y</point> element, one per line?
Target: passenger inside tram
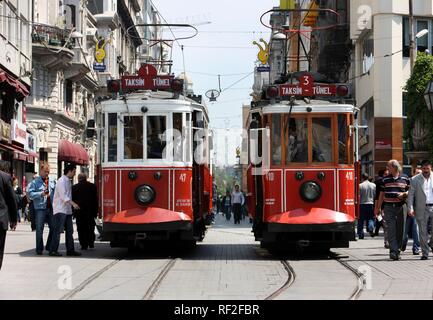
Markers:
<point>297,141</point>
<point>156,127</point>
<point>322,140</point>
<point>178,137</point>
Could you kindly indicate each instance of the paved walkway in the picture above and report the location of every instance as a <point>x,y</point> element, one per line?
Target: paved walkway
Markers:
<point>407,279</point>
<point>228,265</point>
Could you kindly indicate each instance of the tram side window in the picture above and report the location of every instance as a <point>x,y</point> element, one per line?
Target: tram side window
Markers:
<point>296,133</point>
<point>112,137</point>
<point>343,156</point>
<point>133,136</point>
<point>177,137</point>
<point>156,143</point>
<point>322,140</point>
<point>101,139</point>
<point>187,134</point>
<point>276,139</point>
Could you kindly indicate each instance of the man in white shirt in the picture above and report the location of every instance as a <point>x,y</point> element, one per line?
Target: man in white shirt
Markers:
<point>62,211</point>
<point>420,204</point>
<point>238,201</point>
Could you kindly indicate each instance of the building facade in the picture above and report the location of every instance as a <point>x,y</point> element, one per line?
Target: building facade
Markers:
<point>15,73</point>
<point>380,33</point>
<point>77,47</point>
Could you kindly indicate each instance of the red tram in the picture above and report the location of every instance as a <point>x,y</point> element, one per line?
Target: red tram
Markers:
<point>154,174</point>
<point>307,195</point>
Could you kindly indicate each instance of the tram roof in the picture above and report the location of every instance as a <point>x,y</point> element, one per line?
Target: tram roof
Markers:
<point>312,106</point>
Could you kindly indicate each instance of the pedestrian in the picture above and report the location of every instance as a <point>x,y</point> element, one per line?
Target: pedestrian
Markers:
<point>62,212</point>
<point>238,200</point>
<point>394,190</point>
<point>227,205</point>
<point>380,221</point>
<point>218,203</point>
<point>367,192</point>
<point>244,209</point>
<point>41,193</point>
<point>411,229</point>
<point>8,209</point>
<point>18,198</point>
<point>31,207</point>
<point>420,204</point>
<point>84,194</point>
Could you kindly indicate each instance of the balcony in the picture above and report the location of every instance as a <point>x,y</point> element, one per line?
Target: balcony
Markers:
<point>52,46</point>
<point>79,66</point>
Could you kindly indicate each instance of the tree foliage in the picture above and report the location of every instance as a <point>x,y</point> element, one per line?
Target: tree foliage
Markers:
<point>417,109</point>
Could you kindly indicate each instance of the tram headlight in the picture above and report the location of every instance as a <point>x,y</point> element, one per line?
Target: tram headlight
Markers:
<point>145,195</point>
<point>310,191</point>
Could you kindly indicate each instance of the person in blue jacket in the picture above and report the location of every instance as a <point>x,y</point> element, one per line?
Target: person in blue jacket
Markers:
<point>41,192</point>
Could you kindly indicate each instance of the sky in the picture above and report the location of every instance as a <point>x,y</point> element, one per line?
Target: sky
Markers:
<point>223,47</point>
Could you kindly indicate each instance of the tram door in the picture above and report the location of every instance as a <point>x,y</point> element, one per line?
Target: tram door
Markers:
<point>198,175</point>
<point>256,133</point>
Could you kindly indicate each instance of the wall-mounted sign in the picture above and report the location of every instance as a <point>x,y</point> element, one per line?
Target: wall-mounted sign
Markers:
<point>383,144</point>
<point>5,131</point>
<point>18,132</point>
<point>100,67</point>
<point>263,54</point>
<point>263,69</point>
<point>31,142</point>
<point>100,55</point>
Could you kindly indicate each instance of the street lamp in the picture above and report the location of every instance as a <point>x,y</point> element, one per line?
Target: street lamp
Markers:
<point>421,34</point>
<point>282,37</point>
<point>428,96</point>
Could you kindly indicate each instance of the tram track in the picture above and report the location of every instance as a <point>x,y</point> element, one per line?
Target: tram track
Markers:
<point>359,276</point>
<point>154,287</point>
<point>291,278</point>
<point>89,280</point>
<point>150,293</point>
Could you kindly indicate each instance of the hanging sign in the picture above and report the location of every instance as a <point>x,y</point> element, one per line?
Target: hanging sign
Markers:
<point>18,132</point>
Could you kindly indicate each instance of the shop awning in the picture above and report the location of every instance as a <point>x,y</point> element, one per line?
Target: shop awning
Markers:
<point>73,153</point>
<point>32,156</point>
<point>17,154</point>
<point>19,88</point>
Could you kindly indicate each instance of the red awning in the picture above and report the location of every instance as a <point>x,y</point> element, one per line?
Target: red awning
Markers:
<point>17,153</point>
<point>73,152</point>
<point>32,156</point>
<point>19,88</point>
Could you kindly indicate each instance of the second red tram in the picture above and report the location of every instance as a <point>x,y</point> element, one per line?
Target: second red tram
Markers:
<point>307,195</point>
<point>155,179</point>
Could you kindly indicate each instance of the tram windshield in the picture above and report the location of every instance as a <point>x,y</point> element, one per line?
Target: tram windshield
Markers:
<point>147,137</point>
<point>310,139</point>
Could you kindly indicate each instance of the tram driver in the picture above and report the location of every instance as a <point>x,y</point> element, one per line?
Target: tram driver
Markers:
<point>297,144</point>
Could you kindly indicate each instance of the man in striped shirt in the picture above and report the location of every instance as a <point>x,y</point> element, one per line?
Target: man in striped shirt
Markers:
<point>394,190</point>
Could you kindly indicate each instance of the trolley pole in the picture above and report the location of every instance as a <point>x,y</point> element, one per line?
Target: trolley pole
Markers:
<point>412,47</point>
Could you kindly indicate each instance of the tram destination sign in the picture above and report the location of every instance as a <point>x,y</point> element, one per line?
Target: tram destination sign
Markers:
<point>146,83</point>
<point>147,79</point>
<point>323,90</point>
